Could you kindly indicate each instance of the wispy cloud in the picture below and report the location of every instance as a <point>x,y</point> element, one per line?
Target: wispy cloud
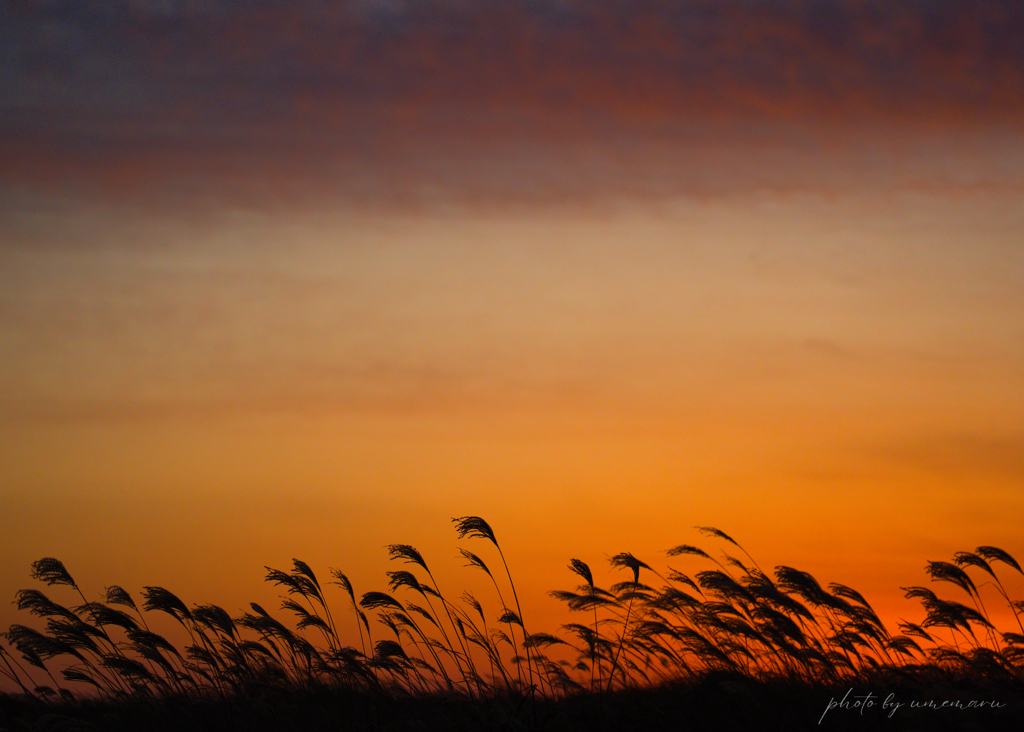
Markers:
<point>530,101</point>
<point>610,56</point>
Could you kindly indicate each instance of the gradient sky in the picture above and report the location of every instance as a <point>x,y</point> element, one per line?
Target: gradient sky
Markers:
<point>309,278</point>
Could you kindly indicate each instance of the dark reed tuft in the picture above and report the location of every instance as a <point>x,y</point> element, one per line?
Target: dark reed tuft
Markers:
<point>41,606</point>
<point>710,531</point>
<point>581,568</point>
<point>625,559</point>
<point>474,527</point>
<point>995,554</point>
<point>401,578</point>
<point>157,598</point>
<point>408,554</point>
<point>343,583</point>
<point>468,598</point>
<point>946,572</point>
<point>119,596</point>
<point>475,561</point>
<point>52,572</point>
<point>374,600</point>
<point>37,647</point>
<point>279,577</point>
<point>422,612</point>
<point>215,618</point>
<point>101,615</point>
<point>509,617</point>
<point>687,549</point>
<point>304,570</point>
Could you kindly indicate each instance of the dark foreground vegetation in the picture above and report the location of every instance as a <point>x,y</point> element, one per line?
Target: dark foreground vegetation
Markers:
<point>729,647</point>
<point>717,702</point>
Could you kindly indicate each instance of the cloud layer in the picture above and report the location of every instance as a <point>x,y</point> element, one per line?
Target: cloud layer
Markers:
<point>635,60</point>
<point>547,100</point>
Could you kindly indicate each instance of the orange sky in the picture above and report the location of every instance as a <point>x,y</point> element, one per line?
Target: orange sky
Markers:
<point>327,328</point>
<point>832,380</point>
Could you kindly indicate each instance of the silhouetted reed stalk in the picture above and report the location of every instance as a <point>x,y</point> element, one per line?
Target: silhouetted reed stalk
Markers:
<point>475,561</point>
<point>484,641</point>
<point>993,554</point>
<point>580,567</point>
<point>630,562</point>
<point>733,618</point>
<point>475,527</point>
<point>411,555</point>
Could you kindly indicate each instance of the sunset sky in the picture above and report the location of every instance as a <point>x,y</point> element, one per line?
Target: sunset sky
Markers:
<point>307,278</point>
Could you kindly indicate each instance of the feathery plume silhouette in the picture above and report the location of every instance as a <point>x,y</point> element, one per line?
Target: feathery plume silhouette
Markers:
<point>687,549</point>
<point>41,606</point>
<point>509,617</point>
<point>407,553</point>
<point>946,572</point>
<point>711,531</point>
<point>625,559</point>
<point>304,569</point>
<point>401,578</point>
<point>474,527</point>
<point>52,572</point>
<point>995,554</point>
<point>343,582</point>
<point>374,600</point>
<point>580,568</point>
<point>970,559</point>
<point>475,561</point>
<point>119,596</point>
<point>157,598</point>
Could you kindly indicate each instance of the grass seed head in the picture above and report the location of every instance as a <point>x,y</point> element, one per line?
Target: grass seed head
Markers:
<point>580,567</point>
<point>474,527</point>
<point>407,553</point>
<point>52,572</point>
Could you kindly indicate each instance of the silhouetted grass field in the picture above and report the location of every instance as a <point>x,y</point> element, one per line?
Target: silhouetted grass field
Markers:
<point>730,647</point>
